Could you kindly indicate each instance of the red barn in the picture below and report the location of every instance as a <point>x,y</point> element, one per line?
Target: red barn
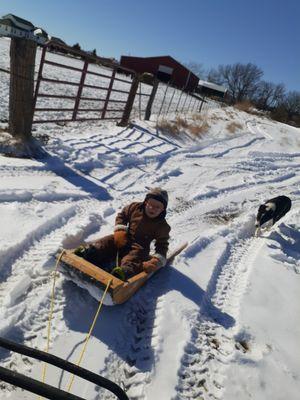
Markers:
<point>165,68</point>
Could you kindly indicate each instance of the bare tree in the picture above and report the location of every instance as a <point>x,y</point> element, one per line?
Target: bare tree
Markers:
<point>278,95</point>
<point>214,77</point>
<point>268,95</point>
<point>196,68</point>
<point>241,80</point>
<point>292,103</point>
<point>289,110</point>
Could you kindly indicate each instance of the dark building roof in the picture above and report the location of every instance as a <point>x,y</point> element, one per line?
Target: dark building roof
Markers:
<point>56,40</point>
<point>7,22</point>
<point>211,89</point>
<point>19,20</point>
<point>166,68</point>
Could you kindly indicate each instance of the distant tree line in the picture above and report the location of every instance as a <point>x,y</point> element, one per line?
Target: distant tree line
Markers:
<point>244,83</point>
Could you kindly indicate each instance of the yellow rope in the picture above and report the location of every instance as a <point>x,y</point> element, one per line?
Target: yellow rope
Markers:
<point>50,316</point>
<point>89,334</point>
<point>117,259</point>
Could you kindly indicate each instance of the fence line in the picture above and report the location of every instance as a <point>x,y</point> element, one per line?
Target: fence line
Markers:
<point>82,90</point>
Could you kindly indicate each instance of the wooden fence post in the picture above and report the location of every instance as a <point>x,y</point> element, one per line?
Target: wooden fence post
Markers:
<point>151,99</point>
<point>21,97</point>
<point>131,96</point>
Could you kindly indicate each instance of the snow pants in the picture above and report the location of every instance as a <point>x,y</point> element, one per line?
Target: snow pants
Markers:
<point>105,254</point>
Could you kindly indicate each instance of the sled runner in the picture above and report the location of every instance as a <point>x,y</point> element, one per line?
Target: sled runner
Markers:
<point>95,279</point>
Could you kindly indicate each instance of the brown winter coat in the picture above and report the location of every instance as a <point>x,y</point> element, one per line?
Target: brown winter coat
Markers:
<point>141,231</point>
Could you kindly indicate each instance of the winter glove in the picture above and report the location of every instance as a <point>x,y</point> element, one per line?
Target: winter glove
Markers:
<point>118,272</point>
<point>80,251</point>
<point>151,265</point>
<point>88,252</point>
<point>120,238</point>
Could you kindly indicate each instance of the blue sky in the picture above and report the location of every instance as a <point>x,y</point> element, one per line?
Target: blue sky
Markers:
<point>211,32</point>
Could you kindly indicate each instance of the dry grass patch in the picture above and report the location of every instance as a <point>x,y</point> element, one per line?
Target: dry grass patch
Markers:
<point>199,117</point>
<point>197,126</point>
<point>233,127</point>
<point>246,106</point>
<point>168,127</point>
<point>199,129</point>
<point>181,122</point>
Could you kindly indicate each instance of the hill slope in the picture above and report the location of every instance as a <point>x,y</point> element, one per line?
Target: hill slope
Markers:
<point>223,321</point>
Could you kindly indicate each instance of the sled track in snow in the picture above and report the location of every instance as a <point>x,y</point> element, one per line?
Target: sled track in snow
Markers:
<point>230,190</point>
<point>206,355</point>
<point>30,277</point>
<point>140,343</point>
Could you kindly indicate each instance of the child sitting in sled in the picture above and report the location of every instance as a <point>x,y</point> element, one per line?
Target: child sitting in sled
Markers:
<point>136,226</point>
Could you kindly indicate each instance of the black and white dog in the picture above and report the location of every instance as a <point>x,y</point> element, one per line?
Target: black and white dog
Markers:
<point>272,210</point>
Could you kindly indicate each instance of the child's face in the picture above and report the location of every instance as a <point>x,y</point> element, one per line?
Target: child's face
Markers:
<point>153,208</point>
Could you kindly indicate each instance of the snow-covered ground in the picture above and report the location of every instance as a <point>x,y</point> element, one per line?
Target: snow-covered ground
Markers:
<point>223,322</point>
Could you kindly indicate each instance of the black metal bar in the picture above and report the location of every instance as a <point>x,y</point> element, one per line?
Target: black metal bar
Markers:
<point>120,91</point>
<point>5,70</point>
<point>123,80</point>
<point>95,87</point>
<point>34,386</point>
<point>58,81</point>
<point>91,99</point>
<point>65,365</point>
<point>145,94</point>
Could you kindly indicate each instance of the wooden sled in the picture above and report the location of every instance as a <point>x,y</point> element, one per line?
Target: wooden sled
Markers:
<point>119,291</point>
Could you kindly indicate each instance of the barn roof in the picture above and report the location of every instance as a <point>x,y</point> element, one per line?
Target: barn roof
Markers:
<point>158,58</point>
<point>161,58</point>
<point>213,86</point>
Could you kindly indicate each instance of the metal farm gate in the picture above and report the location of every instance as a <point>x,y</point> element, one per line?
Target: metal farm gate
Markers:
<point>79,87</point>
<point>74,85</point>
